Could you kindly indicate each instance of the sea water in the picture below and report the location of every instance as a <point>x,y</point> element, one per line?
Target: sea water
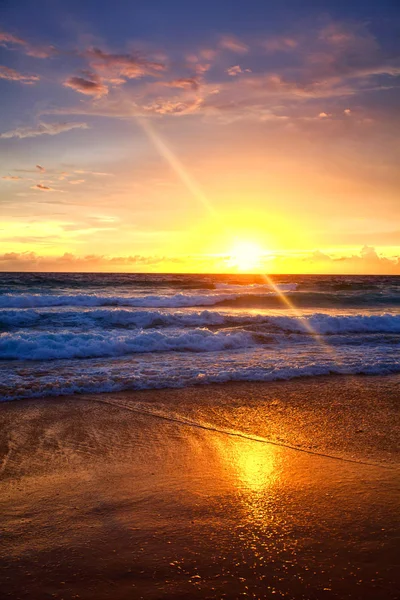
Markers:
<point>80,333</point>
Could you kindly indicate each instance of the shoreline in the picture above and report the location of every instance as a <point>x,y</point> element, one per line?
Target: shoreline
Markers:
<point>305,394</point>
<point>144,495</point>
<point>208,384</point>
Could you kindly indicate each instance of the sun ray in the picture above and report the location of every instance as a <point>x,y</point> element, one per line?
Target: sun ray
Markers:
<point>177,166</point>
<point>303,319</point>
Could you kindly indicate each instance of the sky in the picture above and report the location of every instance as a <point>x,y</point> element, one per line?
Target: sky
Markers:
<point>212,136</point>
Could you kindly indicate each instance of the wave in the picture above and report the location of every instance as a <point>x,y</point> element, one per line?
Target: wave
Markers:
<point>336,324</point>
<point>82,300</point>
<point>152,301</point>
<point>321,323</point>
<point>256,287</point>
<point>67,345</point>
<point>107,376</point>
<point>118,318</point>
<point>245,297</point>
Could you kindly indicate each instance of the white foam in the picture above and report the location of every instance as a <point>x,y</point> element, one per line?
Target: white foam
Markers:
<point>335,324</point>
<point>231,292</point>
<point>153,371</point>
<point>257,287</point>
<point>85,300</point>
<point>48,346</point>
<point>321,323</point>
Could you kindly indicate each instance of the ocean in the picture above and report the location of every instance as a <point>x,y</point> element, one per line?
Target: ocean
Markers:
<point>90,333</point>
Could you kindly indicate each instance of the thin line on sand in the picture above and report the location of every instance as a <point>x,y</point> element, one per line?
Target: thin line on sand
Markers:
<point>185,422</point>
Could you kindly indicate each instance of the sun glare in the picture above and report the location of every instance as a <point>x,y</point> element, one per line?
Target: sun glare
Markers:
<point>246,256</point>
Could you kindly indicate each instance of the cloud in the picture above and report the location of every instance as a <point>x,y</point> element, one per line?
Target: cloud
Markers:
<point>368,261</point>
<point>256,96</point>
<point>233,71</point>
<point>96,173</point>
<point>202,68</point>
<point>11,177</point>
<point>369,252</point>
<point>76,181</point>
<point>172,107</point>
<point>40,168</point>
<point>42,129</point>
<point>233,44</point>
<point>108,69</point>
<point>346,51</point>
<point>25,261</point>
<point>12,75</point>
<point>9,40</point>
<point>127,66</point>
<point>184,83</point>
<point>335,60</point>
<point>237,70</point>
<point>43,188</point>
<point>329,62</point>
<point>89,87</point>
<point>41,51</point>
<point>280,44</point>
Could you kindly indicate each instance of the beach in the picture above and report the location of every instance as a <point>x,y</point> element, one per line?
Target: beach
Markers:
<point>199,300</point>
<point>261,490</point>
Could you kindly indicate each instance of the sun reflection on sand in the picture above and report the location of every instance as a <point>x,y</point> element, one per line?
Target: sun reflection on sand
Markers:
<point>255,464</point>
<point>256,474</point>
<point>252,466</point>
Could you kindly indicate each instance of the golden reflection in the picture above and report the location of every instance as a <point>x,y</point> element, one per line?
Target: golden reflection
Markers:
<point>255,465</point>
<point>252,466</point>
<point>255,472</point>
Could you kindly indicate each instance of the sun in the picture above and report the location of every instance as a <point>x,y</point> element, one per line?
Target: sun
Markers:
<point>246,256</point>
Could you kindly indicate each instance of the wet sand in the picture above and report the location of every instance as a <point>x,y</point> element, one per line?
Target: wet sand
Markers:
<point>278,490</point>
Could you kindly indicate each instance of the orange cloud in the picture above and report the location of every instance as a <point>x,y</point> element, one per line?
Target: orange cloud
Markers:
<point>89,87</point>
<point>185,83</point>
<point>9,39</point>
<point>123,65</point>
<point>16,261</point>
<point>237,70</point>
<point>282,44</point>
<point>172,107</point>
<point>43,188</point>
<point>12,75</point>
<point>97,173</point>
<point>367,261</point>
<point>233,44</point>
<point>42,129</point>
<point>325,63</point>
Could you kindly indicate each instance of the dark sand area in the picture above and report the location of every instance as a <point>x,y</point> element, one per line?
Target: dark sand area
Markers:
<point>179,494</point>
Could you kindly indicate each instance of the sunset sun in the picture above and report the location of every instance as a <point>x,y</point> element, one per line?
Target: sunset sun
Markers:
<point>246,256</point>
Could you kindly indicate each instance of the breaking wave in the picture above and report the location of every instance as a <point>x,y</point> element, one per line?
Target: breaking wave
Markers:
<point>152,301</point>
<point>180,370</point>
<point>50,346</point>
<point>124,318</point>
